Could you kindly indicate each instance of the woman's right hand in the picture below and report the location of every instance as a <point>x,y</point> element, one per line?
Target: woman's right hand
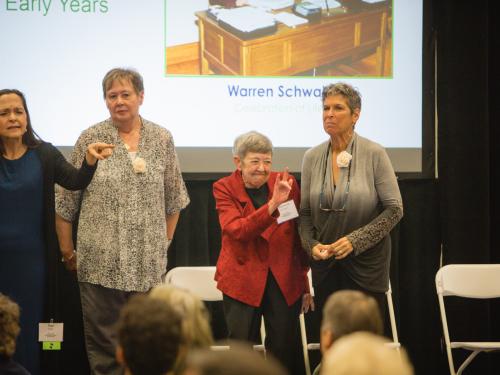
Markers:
<point>69,260</point>
<point>321,252</point>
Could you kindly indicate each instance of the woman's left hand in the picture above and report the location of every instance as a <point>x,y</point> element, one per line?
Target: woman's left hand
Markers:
<point>98,151</point>
<point>307,303</point>
<point>341,248</point>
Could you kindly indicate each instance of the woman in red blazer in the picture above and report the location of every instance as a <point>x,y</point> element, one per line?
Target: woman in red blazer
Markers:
<point>262,269</point>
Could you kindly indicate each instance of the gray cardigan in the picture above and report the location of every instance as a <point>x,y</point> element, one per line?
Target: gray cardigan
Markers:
<point>372,204</point>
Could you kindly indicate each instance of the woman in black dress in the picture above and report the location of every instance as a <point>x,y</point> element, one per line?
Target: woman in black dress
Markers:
<point>29,168</point>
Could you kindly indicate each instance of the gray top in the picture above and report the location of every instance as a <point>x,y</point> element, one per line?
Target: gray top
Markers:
<point>372,204</point>
<point>122,239</point>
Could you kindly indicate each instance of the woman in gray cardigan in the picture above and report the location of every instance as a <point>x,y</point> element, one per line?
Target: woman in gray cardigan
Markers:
<point>350,201</point>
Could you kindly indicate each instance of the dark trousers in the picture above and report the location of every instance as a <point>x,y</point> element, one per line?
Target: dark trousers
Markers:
<point>100,309</point>
<point>280,320</point>
<point>335,280</point>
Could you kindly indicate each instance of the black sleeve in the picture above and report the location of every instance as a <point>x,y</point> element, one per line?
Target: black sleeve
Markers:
<point>68,176</point>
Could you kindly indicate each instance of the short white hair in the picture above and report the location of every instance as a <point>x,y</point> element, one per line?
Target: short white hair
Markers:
<point>252,142</point>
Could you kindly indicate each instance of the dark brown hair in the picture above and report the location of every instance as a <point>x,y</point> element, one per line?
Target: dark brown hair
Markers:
<point>149,332</point>
<point>30,138</point>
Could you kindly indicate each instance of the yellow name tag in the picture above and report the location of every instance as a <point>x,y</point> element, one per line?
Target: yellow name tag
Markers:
<point>51,345</point>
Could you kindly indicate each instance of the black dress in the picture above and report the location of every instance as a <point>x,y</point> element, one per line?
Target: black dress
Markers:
<point>22,265</point>
<point>29,255</point>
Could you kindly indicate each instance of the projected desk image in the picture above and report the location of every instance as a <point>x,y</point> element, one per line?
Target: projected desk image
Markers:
<point>290,51</point>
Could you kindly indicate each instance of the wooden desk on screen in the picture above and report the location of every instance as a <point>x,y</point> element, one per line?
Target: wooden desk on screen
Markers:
<point>290,51</point>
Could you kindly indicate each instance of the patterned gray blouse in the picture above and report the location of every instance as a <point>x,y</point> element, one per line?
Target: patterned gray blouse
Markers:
<point>122,239</point>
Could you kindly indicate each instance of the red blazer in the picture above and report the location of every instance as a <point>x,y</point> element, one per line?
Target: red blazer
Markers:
<point>253,243</point>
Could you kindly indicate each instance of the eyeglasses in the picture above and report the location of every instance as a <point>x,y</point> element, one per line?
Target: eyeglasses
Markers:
<point>322,206</point>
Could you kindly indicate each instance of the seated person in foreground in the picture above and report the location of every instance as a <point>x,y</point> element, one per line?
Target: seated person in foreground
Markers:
<point>345,312</point>
<point>241,359</point>
<point>196,331</point>
<point>149,337</point>
<point>9,330</point>
<point>363,353</point>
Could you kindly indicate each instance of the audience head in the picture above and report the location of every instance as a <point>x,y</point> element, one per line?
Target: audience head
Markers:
<point>124,76</point>
<point>350,94</point>
<point>240,359</point>
<point>13,102</point>
<point>364,353</point>
<point>149,336</point>
<point>348,311</point>
<point>9,326</point>
<point>196,329</point>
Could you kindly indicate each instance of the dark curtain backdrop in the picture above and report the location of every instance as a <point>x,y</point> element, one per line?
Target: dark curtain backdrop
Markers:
<point>466,172</point>
<point>454,212</point>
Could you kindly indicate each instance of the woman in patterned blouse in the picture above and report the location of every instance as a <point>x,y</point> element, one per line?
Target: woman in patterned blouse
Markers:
<point>127,215</point>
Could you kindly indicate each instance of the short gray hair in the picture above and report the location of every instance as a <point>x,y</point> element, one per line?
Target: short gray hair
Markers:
<point>122,74</point>
<point>252,142</point>
<point>347,91</point>
<point>348,311</point>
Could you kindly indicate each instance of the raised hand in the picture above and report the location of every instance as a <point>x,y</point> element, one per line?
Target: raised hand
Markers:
<point>98,151</point>
<point>281,190</point>
<point>282,187</point>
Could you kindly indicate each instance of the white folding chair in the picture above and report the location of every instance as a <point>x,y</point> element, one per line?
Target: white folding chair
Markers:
<point>200,281</point>
<point>392,318</point>
<point>303,334</point>
<point>467,281</point>
<point>315,346</point>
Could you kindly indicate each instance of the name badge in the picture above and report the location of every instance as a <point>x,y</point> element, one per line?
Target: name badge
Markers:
<point>287,211</point>
<point>50,332</point>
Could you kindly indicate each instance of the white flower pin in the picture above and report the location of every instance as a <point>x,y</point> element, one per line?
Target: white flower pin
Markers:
<point>139,165</point>
<point>343,159</point>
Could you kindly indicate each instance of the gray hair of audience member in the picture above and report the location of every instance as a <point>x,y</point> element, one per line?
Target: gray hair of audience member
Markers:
<point>252,142</point>
<point>348,311</point>
<point>149,336</point>
<point>9,326</point>
<point>240,359</point>
<point>364,353</point>
<point>195,317</point>
<point>352,95</point>
<point>123,75</point>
